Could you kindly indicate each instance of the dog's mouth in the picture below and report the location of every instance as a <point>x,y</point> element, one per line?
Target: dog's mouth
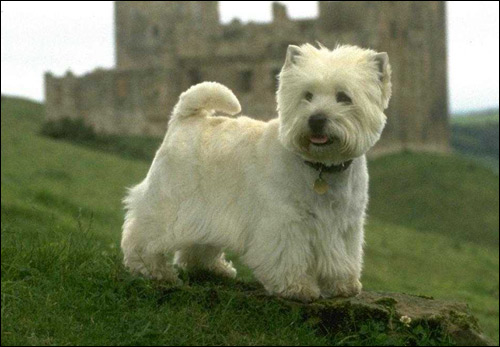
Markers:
<point>320,140</point>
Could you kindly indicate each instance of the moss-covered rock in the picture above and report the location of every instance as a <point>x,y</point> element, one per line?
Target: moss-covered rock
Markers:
<point>406,318</point>
<point>373,318</point>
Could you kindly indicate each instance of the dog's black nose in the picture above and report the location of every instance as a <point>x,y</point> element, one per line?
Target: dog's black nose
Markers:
<point>317,122</point>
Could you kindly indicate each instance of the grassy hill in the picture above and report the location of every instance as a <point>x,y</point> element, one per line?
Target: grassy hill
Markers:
<point>487,116</point>
<point>477,135</point>
<point>433,230</point>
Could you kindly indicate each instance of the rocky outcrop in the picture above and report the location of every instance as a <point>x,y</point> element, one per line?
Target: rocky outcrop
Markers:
<point>402,314</point>
<point>375,318</point>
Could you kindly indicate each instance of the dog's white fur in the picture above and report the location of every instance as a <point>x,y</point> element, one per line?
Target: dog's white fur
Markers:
<point>241,184</point>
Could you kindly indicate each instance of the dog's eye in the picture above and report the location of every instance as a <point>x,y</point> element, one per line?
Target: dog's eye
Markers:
<point>308,96</point>
<point>343,97</point>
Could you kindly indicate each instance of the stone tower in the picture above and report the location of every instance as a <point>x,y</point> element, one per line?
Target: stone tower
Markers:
<point>414,35</point>
<point>147,31</point>
<point>163,47</point>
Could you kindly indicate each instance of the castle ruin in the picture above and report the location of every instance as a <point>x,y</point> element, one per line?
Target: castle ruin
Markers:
<point>163,47</point>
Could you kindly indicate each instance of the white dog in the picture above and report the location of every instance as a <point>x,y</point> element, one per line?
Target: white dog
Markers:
<point>288,195</point>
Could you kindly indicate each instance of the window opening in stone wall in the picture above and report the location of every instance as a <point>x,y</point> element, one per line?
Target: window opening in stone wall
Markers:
<point>394,30</point>
<point>122,90</point>
<point>58,95</point>
<point>246,81</point>
<point>155,31</point>
<point>194,76</point>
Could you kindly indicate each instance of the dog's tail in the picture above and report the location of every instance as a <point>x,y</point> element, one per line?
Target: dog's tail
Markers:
<point>204,98</point>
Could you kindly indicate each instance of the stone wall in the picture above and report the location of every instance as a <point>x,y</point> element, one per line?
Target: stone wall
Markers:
<point>163,47</point>
<point>134,102</point>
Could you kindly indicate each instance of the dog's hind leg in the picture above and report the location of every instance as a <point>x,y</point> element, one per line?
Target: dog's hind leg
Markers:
<point>204,257</point>
<point>144,255</point>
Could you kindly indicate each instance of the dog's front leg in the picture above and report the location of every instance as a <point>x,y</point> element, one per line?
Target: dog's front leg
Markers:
<point>339,272</point>
<point>281,258</point>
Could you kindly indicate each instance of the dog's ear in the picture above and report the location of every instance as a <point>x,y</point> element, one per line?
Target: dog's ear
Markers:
<point>382,60</point>
<point>384,72</point>
<point>292,53</point>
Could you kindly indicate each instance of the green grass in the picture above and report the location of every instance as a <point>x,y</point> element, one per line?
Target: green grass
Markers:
<point>437,194</point>
<point>477,136</point>
<point>77,132</point>
<point>476,119</point>
<point>433,230</point>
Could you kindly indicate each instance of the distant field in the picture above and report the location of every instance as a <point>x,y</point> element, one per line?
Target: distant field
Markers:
<point>477,136</point>
<point>432,230</point>
<point>488,118</point>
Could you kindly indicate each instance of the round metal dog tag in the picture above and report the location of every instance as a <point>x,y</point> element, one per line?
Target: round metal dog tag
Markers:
<point>320,186</point>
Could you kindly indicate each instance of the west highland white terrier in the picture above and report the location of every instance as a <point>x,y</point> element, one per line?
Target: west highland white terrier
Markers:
<point>289,195</point>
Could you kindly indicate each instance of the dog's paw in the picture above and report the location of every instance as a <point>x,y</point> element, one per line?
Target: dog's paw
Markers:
<point>218,266</point>
<point>224,268</point>
<point>347,289</point>
<point>304,291</point>
<point>164,274</point>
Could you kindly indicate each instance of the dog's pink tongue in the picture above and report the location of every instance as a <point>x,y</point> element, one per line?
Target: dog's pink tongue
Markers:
<point>319,139</point>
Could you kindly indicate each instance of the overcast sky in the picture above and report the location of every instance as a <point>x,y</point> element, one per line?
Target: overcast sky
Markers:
<point>39,36</point>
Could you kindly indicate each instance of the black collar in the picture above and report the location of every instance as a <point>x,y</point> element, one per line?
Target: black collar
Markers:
<point>329,169</point>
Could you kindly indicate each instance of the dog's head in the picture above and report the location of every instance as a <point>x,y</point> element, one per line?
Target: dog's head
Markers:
<point>331,103</point>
